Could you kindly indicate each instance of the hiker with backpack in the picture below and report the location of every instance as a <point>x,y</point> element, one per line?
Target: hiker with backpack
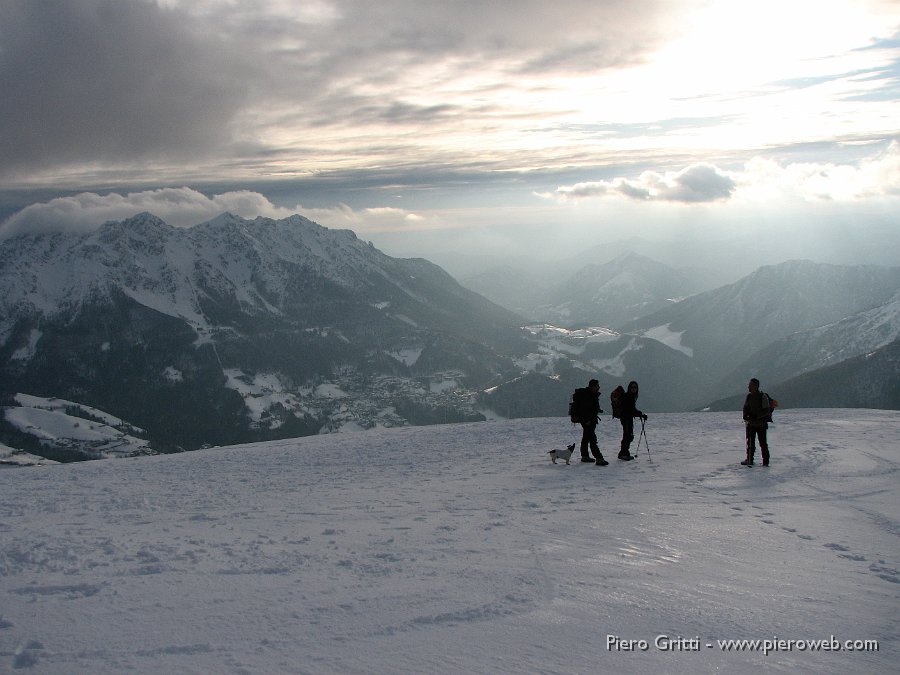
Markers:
<point>585,410</point>
<point>624,405</point>
<point>758,408</point>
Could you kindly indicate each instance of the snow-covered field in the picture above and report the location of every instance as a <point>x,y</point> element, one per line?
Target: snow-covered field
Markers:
<point>11,457</point>
<point>64,425</point>
<point>462,549</point>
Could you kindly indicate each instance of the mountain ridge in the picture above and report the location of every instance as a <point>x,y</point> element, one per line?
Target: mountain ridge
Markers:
<point>724,325</point>
<point>239,330</point>
<point>209,310</point>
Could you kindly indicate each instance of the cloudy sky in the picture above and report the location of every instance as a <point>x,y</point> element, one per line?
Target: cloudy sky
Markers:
<point>430,126</point>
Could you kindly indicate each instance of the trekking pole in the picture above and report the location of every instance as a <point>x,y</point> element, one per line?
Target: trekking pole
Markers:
<point>644,435</point>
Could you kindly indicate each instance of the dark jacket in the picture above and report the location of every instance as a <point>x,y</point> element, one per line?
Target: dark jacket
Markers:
<point>628,406</point>
<point>756,409</point>
<point>587,405</point>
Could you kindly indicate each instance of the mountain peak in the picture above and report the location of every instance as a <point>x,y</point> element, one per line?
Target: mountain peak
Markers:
<point>631,257</point>
<point>144,221</point>
<point>140,227</point>
<point>225,219</point>
<point>236,328</point>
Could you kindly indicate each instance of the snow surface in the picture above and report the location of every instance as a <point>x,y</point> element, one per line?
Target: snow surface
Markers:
<point>261,391</point>
<point>669,338</point>
<point>407,356</point>
<point>63,424</point>
<point>616,365</point>
<point>462,549</point>
<point>556,342</point>
<point>27,352</point>
<point>62,405</point>
<point>171,270</point>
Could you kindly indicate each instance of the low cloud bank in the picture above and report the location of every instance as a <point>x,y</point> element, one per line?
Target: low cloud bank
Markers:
<point>760,179</point>
<point>184,207</point>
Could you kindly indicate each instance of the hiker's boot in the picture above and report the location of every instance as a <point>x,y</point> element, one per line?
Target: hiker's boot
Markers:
<point>601,461</point>
<point>625,455</point>
<point>765,454</point>
<point>587,459</point>
<point>749,460</point>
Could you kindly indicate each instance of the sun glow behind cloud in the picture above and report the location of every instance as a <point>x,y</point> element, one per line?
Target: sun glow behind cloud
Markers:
<point>752,75</point>
<point>421,116</point>
<point>759,185</point>
<point>759,181</point>
<point>290,88</point>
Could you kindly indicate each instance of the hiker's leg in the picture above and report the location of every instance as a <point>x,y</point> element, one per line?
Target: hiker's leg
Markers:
<point>627,434</point>
<point>751,443</point>
<point>585,440</point>
<point>595,447</point>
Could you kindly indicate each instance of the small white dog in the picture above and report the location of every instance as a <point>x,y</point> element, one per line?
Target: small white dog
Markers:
<point>562,454</point>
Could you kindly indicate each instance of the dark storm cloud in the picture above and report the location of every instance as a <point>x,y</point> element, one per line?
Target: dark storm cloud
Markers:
<point>318,59</point>
<point>351,60</point>
<point>90,86</point>
<point>92,81</point>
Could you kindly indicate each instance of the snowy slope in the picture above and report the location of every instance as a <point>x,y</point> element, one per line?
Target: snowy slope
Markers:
<point>66,430</point>
<point>723,327</point>
<point>867,381</point>
<point>806,351</point>
<point>232,326</point>
<point>581,292</point>
<point>462,549</point>
<point>172,269</point>
<point>614,293</point>
<point>563,359</point>
<point>259,265</point>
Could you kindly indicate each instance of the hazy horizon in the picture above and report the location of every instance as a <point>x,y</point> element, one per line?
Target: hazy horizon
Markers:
<point>461,132</point>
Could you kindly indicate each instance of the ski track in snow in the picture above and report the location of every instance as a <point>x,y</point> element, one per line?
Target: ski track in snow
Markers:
<point>460,549</point>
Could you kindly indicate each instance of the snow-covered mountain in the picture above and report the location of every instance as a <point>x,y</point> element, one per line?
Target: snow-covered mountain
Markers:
<point>614,293</point>
<point>518,286</point>
<point>233,329</point>
<point>566,358</point>
<point>236,330</point>
<point>577,294</point>
<point>869,380</point>
<point>262,267</point>
<point>723,327</point>
<point>462,549</point>
<point>809,350</point>
<point>865,381</point>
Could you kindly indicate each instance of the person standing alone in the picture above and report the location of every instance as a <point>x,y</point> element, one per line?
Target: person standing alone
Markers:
<point>757,412</point>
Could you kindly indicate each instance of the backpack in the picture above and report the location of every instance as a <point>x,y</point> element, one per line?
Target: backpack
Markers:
<point>615,400</point>
<point>576,405</point>
<point>769,404</point>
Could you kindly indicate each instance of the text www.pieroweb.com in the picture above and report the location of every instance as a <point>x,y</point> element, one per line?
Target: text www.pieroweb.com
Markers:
<point>666,643</point>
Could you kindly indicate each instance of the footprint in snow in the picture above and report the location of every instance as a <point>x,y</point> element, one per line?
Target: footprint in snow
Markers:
<point>887,573</point>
